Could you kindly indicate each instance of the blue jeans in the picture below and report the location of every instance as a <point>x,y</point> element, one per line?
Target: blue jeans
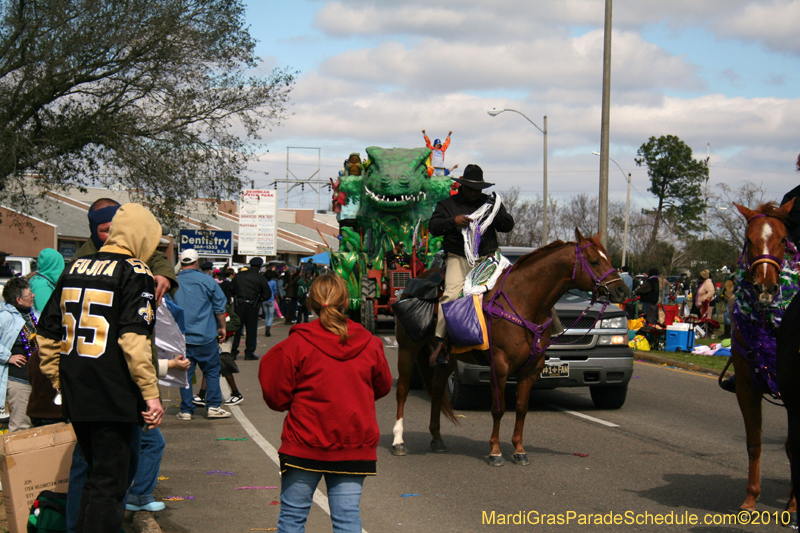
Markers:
<point>269,312</point>
<point>297,493</point>
<point>77,477</point>
<point>207,356</point>
<point>144,482</point>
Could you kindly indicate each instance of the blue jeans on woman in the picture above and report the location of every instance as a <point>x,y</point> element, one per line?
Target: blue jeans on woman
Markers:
<point>269,312</point>
<point>144,483</point>
<point>297,495</point>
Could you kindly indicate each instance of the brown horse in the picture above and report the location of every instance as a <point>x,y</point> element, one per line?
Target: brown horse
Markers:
<point>759,295</point>
<point>529,292</point>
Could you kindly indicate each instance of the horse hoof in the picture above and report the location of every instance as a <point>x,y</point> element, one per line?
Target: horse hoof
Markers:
<point>792,522</point>
<point>520,459</point>
<point>438,446</point>
<point>398,449</point>
<point>496,460</point>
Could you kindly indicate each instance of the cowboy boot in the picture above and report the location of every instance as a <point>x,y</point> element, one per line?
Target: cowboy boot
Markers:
<point>728,384</point>
<point>727,333</point>
<point>266,331</point>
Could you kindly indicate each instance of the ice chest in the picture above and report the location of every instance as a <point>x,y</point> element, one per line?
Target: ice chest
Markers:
<point>679,339</point>
<point>31,461</point>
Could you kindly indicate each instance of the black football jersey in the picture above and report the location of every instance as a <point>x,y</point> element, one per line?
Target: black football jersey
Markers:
<point>96,301</point>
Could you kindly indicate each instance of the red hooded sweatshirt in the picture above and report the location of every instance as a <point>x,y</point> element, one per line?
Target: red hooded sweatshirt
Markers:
<point>330,391</point>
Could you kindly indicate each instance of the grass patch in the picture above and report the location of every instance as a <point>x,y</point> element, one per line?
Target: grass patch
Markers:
<point>714,362</point>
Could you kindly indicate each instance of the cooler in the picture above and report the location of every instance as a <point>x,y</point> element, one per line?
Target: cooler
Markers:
<point>680,338</point>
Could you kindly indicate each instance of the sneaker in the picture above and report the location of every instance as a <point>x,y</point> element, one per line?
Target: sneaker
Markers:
<point>234,399</point>
<point>184,416</point>
<point>4,416</point>
<point>198,401</point>
<point>152,507</point>
<point>216,412</point>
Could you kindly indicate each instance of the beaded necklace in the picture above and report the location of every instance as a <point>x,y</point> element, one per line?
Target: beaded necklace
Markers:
<point>28,336</point>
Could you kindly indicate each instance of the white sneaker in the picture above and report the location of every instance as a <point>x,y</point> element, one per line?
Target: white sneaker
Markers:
<point>198,401</point>
<point>216,412</point>
<point>184,416</point>
<point>4,416</point>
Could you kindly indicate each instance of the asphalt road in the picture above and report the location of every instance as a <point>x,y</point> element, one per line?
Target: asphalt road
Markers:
<point>677,449</point>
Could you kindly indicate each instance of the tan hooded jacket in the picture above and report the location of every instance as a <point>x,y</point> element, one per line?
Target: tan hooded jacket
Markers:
<point>136,232</point>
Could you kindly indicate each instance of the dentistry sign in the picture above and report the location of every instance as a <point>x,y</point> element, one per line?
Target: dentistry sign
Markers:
<point>258,222</point>
<point>207,243</point>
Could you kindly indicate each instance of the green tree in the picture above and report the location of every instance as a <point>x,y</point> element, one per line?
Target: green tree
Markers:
<point>157,94</point>
<point>676,179</point>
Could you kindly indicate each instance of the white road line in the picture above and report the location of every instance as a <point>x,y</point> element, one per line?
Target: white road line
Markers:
<point>390,343</point>
<point>582,415</point>
<point>319,498</point>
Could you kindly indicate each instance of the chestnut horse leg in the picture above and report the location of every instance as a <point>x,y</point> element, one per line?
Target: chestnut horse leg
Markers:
<point>523,397</point>
<point>438,385</point>
<point>750,405</point>
<point>495,457</point>
<point>791,505</point>
<point>406,351</point>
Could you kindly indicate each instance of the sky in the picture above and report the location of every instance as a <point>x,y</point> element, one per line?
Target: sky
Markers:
<point>719,74</point>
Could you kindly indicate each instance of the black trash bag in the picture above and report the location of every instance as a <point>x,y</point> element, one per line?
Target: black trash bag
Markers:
<point>425,289</point>
<point>416,316</point>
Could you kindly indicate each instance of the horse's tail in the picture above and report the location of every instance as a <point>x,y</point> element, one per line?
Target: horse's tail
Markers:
<point>426,371</point>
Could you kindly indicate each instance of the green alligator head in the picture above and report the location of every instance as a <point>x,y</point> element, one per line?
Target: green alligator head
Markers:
<point>396,178</point>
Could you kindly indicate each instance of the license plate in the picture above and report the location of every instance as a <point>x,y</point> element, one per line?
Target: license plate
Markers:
<point>560,370</point>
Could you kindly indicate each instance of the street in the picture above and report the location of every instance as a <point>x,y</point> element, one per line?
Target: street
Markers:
<point>676,448</point>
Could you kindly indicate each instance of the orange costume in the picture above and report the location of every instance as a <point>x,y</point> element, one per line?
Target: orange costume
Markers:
<point>437,155</point>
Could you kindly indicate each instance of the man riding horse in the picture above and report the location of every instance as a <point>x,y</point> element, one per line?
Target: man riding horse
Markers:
<point>449,218</point>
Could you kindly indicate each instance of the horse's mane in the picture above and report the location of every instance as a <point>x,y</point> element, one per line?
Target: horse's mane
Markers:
<point>772,209</point>
<point>540,252</point>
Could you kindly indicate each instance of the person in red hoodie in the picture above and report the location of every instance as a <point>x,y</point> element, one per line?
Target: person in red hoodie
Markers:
<point>326,433</point>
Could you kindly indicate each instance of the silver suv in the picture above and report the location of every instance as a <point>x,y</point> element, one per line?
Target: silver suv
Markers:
<point>598,358</point>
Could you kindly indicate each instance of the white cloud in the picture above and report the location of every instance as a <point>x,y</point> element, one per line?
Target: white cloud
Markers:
<point>573,63</point>
<point>773,23</point>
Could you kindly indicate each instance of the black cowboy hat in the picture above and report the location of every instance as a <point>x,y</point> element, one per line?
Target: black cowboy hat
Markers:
<point>473,178</point>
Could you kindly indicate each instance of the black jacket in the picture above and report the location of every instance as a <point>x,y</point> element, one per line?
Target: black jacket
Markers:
<point>443,222</point>
<point>649,290</point>
<point>793,223</point>
<point>251,285</point>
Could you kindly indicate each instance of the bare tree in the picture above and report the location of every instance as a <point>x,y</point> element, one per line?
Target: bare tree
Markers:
<point>724,220</point>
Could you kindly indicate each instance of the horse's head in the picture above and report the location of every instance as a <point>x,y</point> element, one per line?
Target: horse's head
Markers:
<point>593,270</point>
<point>765,247</point>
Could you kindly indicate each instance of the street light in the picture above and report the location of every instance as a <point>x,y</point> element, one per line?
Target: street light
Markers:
<point>494,113</point>
<point>627,209</point>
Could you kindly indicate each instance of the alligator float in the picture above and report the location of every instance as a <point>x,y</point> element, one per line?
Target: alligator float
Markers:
<point>382,202</point>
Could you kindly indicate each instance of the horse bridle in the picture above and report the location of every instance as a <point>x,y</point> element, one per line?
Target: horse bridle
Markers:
<point>599,287</point>
<point>777,262</point>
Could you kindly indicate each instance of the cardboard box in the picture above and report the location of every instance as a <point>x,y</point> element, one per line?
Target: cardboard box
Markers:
<point>31,461</point>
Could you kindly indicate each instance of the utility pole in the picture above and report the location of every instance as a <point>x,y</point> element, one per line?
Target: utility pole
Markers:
<point>603,199</point>
<point>315,184</point>
<point>708,177</point>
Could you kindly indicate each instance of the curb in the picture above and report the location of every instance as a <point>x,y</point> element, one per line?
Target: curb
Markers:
<point>145,522</point>
<point>650,358</point>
